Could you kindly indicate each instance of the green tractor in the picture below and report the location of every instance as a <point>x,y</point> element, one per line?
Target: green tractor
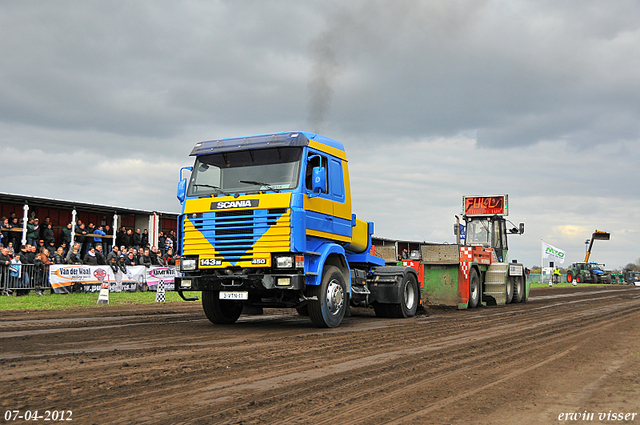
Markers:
<point>588,273</point>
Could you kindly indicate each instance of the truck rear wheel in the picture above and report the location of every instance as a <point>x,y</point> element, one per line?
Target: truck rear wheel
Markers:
<point>569,278</point>
<point>330,306</point>
<point>509,290</point>
<point>518,289</point>
<point>474,289</point>
<point>409,297</point>
<point>219,311</point>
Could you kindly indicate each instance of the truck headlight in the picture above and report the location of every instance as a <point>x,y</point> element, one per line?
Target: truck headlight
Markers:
<point>284,262</point>
<point>188,264</point>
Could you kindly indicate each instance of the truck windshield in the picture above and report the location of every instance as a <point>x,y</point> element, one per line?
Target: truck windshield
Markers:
<point>245,171</point>
<point>478,232</point>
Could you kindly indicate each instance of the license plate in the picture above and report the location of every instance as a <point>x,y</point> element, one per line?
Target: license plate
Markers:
<point>239,295</point>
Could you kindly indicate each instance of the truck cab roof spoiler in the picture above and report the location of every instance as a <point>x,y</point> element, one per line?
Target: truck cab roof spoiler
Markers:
<point>262,141</point>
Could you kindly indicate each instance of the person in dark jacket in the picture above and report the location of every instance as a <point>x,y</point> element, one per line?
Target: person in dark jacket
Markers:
<point>74,257</point>
<point>145,258</point>
<point>49,237</point>
<point>65,235</point>
<point>144,241</point>
<point>156,257</point>
<point>58,256</point>
<point>131,260</point>
<point>169,259</point>
<point>90,257</point>
<point>100,255</point>
<point>136,239</point>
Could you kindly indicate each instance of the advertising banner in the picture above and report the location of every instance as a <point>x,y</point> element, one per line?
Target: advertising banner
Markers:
<point>80,278</point>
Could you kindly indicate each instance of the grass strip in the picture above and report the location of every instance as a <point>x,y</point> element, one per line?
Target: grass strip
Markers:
<point>32,301</point>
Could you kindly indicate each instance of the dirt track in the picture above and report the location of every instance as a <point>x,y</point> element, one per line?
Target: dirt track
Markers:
<point>565,351</point>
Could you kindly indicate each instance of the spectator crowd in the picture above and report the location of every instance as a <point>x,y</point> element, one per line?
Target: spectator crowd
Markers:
<point>93,245</point>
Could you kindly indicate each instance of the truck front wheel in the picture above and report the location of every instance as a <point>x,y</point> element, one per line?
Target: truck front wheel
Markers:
<point>330,305</point>
<point>409,297</point>
<point>518,289</point>
<point>474,289</point>
<point>219,311</point>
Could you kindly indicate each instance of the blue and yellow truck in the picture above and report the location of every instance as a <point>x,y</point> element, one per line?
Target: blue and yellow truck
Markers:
<point>267,222</point>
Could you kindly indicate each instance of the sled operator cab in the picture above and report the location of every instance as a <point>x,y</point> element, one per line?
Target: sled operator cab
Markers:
<point>486,225</point>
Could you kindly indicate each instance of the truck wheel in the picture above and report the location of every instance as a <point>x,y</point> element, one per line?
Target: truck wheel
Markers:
<point>569,278</point>
<point>518,289</point>
<point>578,279</point>
<point>474,289</point>
<point>409,297</point>
<point>220,311</point>
<point>510,283</point>
<point>331,304</point>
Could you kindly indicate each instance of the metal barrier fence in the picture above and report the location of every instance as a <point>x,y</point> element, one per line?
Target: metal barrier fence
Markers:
<point>537,278</point>
<point>23,278</point>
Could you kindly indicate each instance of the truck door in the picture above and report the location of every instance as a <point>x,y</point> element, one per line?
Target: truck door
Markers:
<point>318,207</point>
<point>327,214</point>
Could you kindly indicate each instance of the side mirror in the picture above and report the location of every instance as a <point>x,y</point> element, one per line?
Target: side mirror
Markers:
<point>522,228</point>
<point>182,185</point>
<point>182,190</point>
<point>319,184</point>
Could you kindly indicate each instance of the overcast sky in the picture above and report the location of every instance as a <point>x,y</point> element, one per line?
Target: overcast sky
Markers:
<point>103,101</point>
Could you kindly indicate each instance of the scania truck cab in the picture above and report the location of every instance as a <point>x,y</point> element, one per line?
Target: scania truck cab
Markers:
<point>267,222</point>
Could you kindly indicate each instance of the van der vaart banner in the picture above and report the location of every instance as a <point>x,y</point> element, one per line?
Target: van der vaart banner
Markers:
<point>69,278</point>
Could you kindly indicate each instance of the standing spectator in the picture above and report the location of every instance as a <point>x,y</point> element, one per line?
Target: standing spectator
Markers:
<point>145,259</point>
<point>15,275</point>
<point>76,247</point>
<point>5,261</point>
<point>81,236</point>
<point>66,234</point>
<point>42,263</point>
<point>49,237</point>
<point>120,236</point>
<point>131,259</point>
<point>115,253</point>
<point>144,242</point>
<point>136,239</point>
<point>5,231</point>
<point>43,226</point>
<point>58,256</point>
<point>27,257</point>
<point>169,244</point>
<point>33,231</point>
<point>156,257</point>
<point>108,241</point>
<point>98,239</point>
<point>14,235</point>
<point>162,242</point>
<point>90,239</point>
<point>90,257</point>
<point>128,238</point>
<point>100,256</point>
<point>74,257</point>
<point>169,260</point>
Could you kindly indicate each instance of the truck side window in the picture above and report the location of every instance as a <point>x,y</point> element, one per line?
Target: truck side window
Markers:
<point>337,181</point>
<point>316,161</point>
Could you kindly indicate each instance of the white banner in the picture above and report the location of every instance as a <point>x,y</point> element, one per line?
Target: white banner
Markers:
<point>155,274</point>
<point>69,278</point>
<point>553,252</point>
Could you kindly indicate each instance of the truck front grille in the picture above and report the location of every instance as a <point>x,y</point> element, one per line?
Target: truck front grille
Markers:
<point>238,235</point>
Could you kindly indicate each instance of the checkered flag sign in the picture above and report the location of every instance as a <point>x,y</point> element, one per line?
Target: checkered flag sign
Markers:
<point>160,292</point>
